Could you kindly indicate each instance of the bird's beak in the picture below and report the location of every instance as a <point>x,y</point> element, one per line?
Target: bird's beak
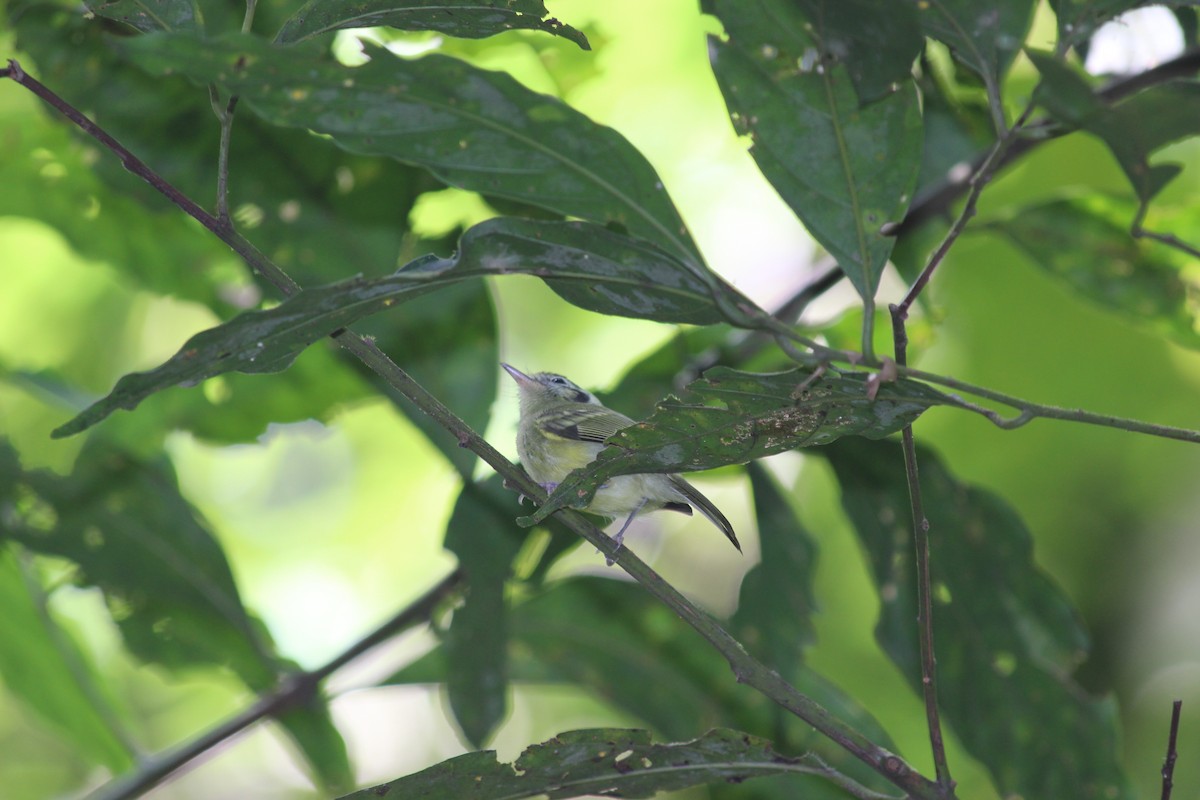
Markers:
<point>520,377</point>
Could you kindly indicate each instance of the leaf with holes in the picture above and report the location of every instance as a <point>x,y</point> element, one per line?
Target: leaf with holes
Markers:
<point>468,19</point>
<point>731,417</point>
<point>845,170</point>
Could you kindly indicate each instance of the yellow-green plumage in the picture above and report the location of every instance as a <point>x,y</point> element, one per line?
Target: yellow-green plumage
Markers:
<point>563,428</point>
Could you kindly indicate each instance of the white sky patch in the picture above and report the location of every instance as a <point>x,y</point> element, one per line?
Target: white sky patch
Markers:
<point>1135,42</point>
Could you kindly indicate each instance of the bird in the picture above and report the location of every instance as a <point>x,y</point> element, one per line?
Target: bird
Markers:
<point>563,427</point>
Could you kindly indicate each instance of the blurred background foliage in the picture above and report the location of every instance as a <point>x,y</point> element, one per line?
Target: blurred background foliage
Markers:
<point>330,503</point>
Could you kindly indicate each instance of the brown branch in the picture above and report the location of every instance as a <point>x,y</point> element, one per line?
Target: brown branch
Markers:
<point>1168,770</point>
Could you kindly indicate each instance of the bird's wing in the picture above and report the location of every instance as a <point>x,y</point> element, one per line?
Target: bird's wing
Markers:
<point>585,423</point>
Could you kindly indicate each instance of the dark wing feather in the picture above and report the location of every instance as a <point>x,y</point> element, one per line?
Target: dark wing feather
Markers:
<point>584,423</point>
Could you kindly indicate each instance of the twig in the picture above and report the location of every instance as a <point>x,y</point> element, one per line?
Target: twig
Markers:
<point>296,689</point>
<point>745,668</point>
<point>924,581</point>
<point>1168,770</point>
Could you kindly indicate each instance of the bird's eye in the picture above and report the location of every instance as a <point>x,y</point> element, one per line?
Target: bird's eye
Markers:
<point>559,379</point>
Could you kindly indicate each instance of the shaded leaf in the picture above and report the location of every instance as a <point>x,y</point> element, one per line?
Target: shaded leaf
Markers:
<point>986,35</point>
<point>609,761</point>
<point>485,541</point>
<point>731,417</point>
<point>876,42</point>
<point>776,604</point>
<point>1083,244</point>
<point>590,266</point>
<point>311,726</point>
<point>469,19</point>
<point>33,660</point>
<point>180,607</point>
<point>1122,126</point>
<point>472,128</point>
<point>1006,638</point>
<point>149,16</point>
<point>845,170</point>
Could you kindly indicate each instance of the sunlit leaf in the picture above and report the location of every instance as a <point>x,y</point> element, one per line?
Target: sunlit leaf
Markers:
<point>1122,126</point>
<point>1007,639</point>
<point>592,267</point>
<point>472,128</point>
<point>613,762</point>
<point>731,417</point>
<point>986,35</point>
<point>470,19</point>
<point>180,607</point>
<point>33,660</point>
<point>845,170</point>
<point>1088,245</point>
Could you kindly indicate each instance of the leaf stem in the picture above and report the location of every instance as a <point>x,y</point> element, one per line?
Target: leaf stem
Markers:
<point>295,690</point>
<point>924,582</point>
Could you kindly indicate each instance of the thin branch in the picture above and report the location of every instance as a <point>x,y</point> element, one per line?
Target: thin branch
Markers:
<point>924,581</point>
<point>745,668</point>
<point>1168,770</point>
<point>295,690</point>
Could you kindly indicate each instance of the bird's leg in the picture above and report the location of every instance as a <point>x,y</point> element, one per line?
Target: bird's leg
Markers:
<point>548,488</point>
<point>620,537</point>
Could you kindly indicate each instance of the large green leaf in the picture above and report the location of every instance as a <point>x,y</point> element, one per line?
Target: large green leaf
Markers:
<point>612,762</point>
<point>845,170</point>
<point>986,35</point>
<point>149,16</point>
<point>876,42</point>
<point>484,539</point>
<point>1123,126</point>
<point>588,265</point>
<point>34,659</point>
<point>731,417</point>
<point>1006,638</point>
<point>472,128</point>
<point>1087,244</point>
<point>470,19</point>
<point>776,604</point>
<point>131,533</point>
<point>311,726</point>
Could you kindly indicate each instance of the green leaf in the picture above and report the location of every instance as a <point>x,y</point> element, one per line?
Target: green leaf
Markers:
<point>592,267</point>
<point>1006,638</point>
<point>1122,126</point>
<point>472,128</point>
<point>131,533</point>
<point>469,19</point>
<point>731,417</point>
<point>1083,244</point>
<point>35,655</point>
<point>311,726</point>
<point>485,541</point>
<point>986,35</point>
<point>609,761</point>
<point>845,170</point>
<point>613,639</point>
<point>876,42</point>
<point>776,605</point>
<point>149,16</point>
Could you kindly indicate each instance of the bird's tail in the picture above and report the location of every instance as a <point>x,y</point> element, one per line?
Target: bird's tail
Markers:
<point>706,507</point>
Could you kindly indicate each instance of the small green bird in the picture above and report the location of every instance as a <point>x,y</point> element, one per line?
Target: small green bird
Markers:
<point>563,427</point>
